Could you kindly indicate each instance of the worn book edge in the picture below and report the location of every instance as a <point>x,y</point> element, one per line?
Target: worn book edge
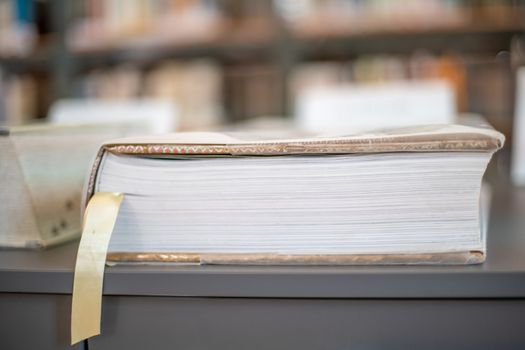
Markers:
<point>444,258</point>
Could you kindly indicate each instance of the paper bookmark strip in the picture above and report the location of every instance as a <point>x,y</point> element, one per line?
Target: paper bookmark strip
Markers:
<point>99,220</point>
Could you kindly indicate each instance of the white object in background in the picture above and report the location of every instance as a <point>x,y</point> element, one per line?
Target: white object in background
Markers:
<point>518,144</point>
<point>158,116</point>
<point>352,108</point>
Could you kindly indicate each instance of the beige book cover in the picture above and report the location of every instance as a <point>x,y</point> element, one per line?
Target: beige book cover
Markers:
<point>431,138</point>
<point>42,172</point>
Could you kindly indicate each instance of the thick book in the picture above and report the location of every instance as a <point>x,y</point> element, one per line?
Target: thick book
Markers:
<point>42,172</point>
<point>397,196</point>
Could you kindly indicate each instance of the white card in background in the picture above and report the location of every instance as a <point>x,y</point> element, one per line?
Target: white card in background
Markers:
<point>518,146</point>
<point>354,108</point>
<point>157,116</point>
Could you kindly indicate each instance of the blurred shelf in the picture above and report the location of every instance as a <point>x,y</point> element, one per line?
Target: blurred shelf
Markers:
<point>326,28</point>
<point>151,53</point>
<point>459,42</point>
<point>239,43</point>
<point>226,42</point>
<point>463,39</point>
<point>38,62</point>
<point>471,38</point>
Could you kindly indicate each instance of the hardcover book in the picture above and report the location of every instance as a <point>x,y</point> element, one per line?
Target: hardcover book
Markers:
<point>398,196</point>
<point>42,172</point>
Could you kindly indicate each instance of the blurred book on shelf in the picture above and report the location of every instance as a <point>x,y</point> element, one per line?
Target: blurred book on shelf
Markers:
<point>252,90</point>
<point>490,91</point>
<point>194,87</point>
<point>102,25</point>
<point>151,116</point>
<point>479,85</point>
<point>117,83</point>
<point>354,108</point>
<point>18,33</point>
<point>383,68</point>
<point>117,24</point>
<point>18,99</point>
<point>332,18</point>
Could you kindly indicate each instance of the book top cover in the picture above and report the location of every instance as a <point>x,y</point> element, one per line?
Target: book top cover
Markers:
<point>445,137</point>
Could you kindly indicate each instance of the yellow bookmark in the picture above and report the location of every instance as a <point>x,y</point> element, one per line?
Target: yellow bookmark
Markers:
<point>99,220</point>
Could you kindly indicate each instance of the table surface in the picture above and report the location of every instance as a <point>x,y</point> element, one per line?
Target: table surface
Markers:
<point>501,276</point>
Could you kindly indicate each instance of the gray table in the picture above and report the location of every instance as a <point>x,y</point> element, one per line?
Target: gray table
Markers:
<point>219,307</point>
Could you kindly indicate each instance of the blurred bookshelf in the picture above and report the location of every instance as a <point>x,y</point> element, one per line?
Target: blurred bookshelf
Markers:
<point>253,56</point>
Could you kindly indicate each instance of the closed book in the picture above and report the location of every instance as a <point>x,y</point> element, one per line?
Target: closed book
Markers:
<point>397,196</point>
<point>42,172</point>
